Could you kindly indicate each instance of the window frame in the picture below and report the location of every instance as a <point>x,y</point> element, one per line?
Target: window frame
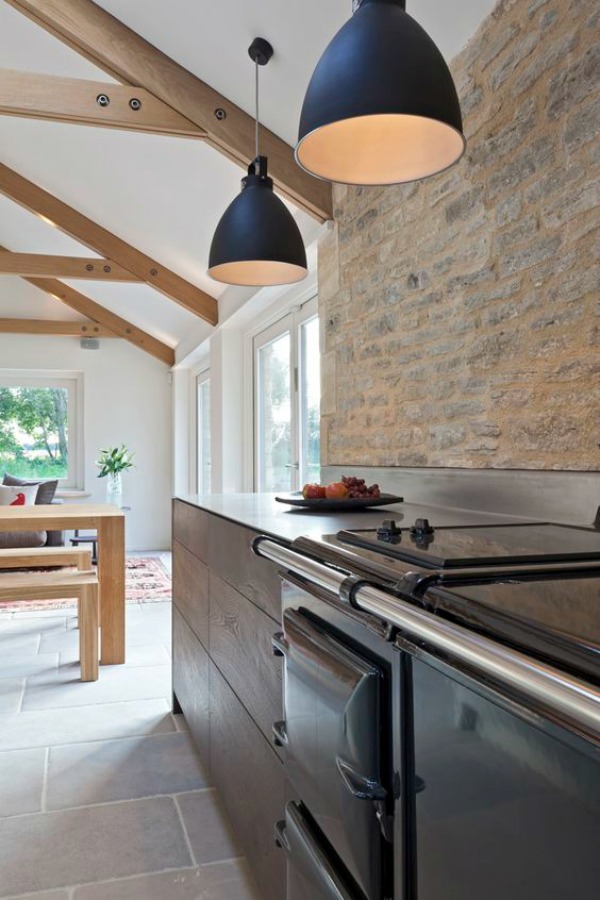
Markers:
<point>288,321</point>
<point>201,379</point>
<point>73,381</point>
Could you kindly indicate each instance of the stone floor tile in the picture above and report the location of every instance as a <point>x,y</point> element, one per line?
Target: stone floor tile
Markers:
<point>21,781</point>
<point>11,692</point>
<point>219,881</point>
<point>210,834</point>
<point>66,641</point>
<point>116,684</point>
<point>148,655</point>
<point>31,624</point>
<point>25,613</point>
<point>123,770</point>
<point>157,610</point>
<point>45,895</point>
<point>12,644</point>
<point>47,728</point>
<point>19,665</point>
<point>50,850</point>
<point>148,631</point>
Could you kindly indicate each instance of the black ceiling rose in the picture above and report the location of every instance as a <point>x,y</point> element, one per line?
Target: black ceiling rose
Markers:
<point>257,241</point>
<point>381,107</point>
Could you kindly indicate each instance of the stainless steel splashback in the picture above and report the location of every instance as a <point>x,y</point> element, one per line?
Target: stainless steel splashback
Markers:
<point>571,497</point>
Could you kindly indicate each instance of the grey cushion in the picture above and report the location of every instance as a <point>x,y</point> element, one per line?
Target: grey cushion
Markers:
<point>9,540</point>
<point>46,490</point>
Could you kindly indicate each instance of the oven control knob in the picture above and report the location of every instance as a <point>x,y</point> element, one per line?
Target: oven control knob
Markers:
<point>388,529</point>
<point>421,527</point>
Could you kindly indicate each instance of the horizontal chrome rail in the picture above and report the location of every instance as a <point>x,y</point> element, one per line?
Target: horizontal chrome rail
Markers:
<point>556,690</point>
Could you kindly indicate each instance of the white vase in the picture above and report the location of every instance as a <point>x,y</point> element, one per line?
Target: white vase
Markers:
<point>114,489</point>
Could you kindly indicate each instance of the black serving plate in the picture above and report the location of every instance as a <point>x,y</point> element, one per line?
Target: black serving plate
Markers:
<point>296,499</point>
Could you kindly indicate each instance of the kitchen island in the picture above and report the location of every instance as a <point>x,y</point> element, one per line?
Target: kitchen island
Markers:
<point>226,608</point>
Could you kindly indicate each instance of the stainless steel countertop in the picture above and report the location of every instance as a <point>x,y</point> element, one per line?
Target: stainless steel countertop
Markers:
<point>263,514</point>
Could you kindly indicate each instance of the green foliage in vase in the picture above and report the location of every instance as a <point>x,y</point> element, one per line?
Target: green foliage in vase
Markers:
<point>114,460</point>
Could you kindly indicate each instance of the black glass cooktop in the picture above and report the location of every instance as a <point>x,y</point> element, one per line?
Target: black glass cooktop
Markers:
<point>478,546</point>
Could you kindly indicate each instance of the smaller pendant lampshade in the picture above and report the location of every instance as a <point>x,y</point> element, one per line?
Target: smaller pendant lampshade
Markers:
<point>257,241</point>
<point>381,107</point>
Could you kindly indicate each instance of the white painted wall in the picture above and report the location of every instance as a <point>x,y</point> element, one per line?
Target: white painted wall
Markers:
<point>127,399</point>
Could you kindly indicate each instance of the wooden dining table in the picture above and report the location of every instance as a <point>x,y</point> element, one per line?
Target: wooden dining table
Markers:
<point>109,522</point>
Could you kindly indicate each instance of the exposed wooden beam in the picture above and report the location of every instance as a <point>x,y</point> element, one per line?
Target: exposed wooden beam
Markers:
<point>103,316</point>
<point>109,245</point>
<point>121,52</point>
<point>77,101</point>
<point>47,326</point>
<point>41,265</point>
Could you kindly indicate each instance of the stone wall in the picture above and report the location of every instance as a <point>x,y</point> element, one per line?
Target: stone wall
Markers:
<point>461,315</point>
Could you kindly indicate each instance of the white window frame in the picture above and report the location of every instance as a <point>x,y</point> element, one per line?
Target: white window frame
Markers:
<point>73,382</point>
<point>290,321</point>
<point>201,378</point>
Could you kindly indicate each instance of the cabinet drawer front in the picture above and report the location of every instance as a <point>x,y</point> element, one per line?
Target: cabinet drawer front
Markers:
<point>191,590</point>
<point>190,528</point>
<point>249,778</point>
<point>191,683</point>
<point>231,557</point>
<point>240,645</point>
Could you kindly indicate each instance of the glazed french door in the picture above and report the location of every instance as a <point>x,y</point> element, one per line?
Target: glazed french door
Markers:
<point>286,402</point>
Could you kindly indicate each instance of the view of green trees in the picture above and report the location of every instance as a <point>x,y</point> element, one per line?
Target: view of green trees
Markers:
<point>33,432</point>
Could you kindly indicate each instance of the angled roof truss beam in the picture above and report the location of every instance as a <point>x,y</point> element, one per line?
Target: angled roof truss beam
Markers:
<point>126,56</point>
<point>81,102</point>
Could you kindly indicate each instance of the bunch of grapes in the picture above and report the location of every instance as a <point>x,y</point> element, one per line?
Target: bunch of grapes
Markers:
<point>358,490</point>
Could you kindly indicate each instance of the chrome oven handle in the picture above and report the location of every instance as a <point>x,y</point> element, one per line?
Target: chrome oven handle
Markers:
<point>570,697</point>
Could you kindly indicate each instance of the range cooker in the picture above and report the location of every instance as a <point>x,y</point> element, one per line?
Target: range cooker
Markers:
<point>441,730</point>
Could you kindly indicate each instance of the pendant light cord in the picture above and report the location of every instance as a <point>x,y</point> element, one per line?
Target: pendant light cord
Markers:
<point>257,109</point>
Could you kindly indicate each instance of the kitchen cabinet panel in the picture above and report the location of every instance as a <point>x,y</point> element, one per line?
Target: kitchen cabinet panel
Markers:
<point>231,557</point>
<point>250,781</point>
<point>190,528</point>
<point>191,591</point>
<point>191,683</point>
<point>240,645</point>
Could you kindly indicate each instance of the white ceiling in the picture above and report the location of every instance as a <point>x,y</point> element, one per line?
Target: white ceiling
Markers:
<point>165,195</point>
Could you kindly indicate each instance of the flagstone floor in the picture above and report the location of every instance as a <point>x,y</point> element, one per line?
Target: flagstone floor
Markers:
<point>102,796</point>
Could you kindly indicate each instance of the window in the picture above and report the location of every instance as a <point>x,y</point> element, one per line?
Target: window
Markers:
<point>204,442</point>
<point>40,425</point>
<point>287,398</point>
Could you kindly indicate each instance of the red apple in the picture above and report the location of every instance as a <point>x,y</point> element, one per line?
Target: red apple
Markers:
<point>336,491</point>
<point>313,492</point>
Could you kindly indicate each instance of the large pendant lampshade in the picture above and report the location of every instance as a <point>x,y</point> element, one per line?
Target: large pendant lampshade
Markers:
<point>381,107</point>
<point>257,242</point>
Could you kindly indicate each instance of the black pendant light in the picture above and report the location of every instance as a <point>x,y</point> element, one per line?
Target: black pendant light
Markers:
<point>257,241</point>
<point>381,107</point>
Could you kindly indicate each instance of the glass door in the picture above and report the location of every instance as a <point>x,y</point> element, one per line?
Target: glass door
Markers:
<point>287,402</point>
<point>204,442</point>
<point>276,466</point>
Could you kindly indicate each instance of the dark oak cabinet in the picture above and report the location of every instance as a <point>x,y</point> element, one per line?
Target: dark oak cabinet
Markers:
<point>226,607</point>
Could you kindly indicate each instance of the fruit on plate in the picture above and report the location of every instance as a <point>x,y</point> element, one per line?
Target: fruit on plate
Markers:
<point>349,488</point>
<point>358,490</point>
<point>313,492</point>
<point>337,490</point>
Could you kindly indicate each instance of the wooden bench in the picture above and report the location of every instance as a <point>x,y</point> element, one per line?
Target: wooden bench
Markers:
<point>57,586</point>
<point>46,557</point>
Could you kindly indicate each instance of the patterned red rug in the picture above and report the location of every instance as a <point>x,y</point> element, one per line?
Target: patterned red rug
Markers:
<point>146,581</point>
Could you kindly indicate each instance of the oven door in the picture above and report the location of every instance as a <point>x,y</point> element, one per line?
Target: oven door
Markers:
<point>311,872</point>
<point>508,800</point>
<point>333,744</point>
